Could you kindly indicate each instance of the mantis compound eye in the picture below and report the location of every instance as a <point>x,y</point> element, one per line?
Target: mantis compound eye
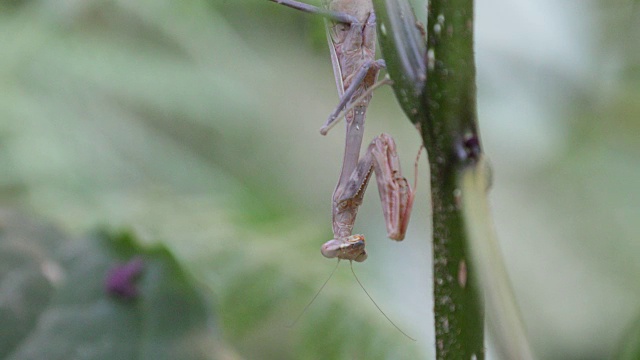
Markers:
<point>331,248</point>
<point>354,248</point>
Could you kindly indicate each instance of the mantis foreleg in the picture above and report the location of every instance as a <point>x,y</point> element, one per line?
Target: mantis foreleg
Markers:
<point>396,196</point>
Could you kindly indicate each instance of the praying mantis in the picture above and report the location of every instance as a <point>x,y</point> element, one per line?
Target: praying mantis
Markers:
<point>351,33</point>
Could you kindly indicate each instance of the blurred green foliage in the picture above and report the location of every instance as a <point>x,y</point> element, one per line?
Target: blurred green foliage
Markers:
<point>148,115</point>
<point>56,305</point>
<point>196,123</point>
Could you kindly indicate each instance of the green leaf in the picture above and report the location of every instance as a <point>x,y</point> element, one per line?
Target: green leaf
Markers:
<point>404,50</point>
<point>55,304</point>
<point>503,315</point>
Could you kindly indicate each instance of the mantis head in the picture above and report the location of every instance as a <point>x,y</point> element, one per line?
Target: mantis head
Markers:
<point>349,248</point>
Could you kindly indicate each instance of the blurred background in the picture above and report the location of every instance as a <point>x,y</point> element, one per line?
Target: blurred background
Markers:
<point>195,124</point>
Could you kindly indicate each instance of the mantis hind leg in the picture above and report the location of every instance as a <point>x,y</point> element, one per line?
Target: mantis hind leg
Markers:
<point>346,97</point>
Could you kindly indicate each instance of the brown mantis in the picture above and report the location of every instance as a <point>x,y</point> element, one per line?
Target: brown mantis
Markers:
<point>351,33</point>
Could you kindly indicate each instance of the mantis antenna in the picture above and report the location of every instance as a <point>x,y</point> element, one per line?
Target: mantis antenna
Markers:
<point>361,286</point>
<point>338,116</point>
<point>374,303</point>
<point>315,296</point>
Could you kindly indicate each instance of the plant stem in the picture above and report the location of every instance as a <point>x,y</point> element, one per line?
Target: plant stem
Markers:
<point>450,134</point>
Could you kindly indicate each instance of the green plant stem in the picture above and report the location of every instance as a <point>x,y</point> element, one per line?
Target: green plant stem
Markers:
<point>450,103</point>
<point>443,107</point>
